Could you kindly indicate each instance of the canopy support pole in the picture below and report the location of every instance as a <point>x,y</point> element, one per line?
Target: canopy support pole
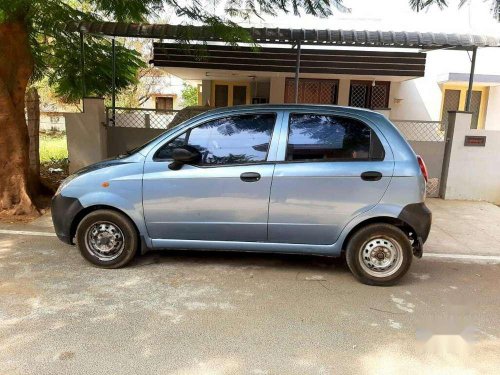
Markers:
<point>82,68</point>
<point>113,84</point>
<point>297,72</point>
<point>471,79</point>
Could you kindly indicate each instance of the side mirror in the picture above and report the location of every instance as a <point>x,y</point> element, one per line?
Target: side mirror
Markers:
<point>184,155</point>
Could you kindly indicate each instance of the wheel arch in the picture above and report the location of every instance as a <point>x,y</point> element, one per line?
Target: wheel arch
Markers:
<point>401,224</point>
<point>87,210</point>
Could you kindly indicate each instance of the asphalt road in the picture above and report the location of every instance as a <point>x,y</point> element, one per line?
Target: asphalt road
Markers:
<point>233,313</point>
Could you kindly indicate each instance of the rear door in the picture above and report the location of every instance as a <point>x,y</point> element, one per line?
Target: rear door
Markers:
<point>333,168</point>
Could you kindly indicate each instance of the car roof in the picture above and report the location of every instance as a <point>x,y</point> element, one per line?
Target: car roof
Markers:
<point>301,107</point>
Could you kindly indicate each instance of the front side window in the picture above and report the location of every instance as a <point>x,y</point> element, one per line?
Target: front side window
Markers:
<point>165,152</point>
<point>230,140</point>
<point>331,138</point>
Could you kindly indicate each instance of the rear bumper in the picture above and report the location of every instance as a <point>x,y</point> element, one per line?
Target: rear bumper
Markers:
<point>419,217</point>
<point>64,211</point>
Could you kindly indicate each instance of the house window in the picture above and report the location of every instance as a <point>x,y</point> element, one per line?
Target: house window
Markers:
<point>312,91</point>
<point>164,103</point>
<point>369,94</point>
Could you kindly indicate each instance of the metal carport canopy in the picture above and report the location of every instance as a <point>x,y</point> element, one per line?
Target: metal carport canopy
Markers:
<point>326,37</point>
<point>359,38</point>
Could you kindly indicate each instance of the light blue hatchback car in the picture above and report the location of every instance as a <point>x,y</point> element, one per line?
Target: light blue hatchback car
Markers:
<point>306,179</point>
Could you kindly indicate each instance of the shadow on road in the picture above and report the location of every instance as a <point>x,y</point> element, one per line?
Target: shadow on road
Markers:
<point>241,259</point>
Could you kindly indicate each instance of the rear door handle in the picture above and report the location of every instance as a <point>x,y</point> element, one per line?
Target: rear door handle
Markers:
<point>250,176</point>
<point>371,176</point>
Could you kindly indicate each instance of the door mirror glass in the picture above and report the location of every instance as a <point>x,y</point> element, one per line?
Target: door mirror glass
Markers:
<point>184,155</point>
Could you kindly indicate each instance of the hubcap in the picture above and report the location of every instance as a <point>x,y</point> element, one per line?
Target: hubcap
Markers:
<point>105,240</point>
<point>381,257</point>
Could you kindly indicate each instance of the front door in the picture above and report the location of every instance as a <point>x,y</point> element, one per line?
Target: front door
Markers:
<point>334,169</point>
<point>229,94</point>
<point>223,198</point>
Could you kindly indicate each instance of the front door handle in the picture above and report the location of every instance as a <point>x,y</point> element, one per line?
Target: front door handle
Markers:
<point>371,176</point>
<point>250,176</point>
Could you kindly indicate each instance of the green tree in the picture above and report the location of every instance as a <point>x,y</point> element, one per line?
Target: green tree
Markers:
<point>419,5</point>
<point>34,45</point>
<point>190,95</point>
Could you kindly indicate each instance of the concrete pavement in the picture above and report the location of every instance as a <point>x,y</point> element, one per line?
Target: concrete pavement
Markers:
<point>464,227</point>
<point>234,313</point>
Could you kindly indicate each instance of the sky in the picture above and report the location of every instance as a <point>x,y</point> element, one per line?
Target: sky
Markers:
<point>395,15</point>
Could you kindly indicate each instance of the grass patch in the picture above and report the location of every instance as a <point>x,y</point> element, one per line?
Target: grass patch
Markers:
<point>53,146</point>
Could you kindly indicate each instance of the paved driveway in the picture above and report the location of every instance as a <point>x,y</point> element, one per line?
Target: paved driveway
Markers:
<point>464,227</point>
<point>232,313</point>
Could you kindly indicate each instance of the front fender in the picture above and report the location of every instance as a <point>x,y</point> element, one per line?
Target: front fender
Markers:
<point>130,207</point>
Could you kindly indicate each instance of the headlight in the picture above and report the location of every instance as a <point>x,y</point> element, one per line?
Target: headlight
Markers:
<point>64,183</point>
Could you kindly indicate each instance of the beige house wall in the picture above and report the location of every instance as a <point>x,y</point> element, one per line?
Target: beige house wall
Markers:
<point>277,90</point>
<point>86,134</point>
<point>344,88</point>
<point>206,92</point>
<point>470,172</point>
<point>492,119</point>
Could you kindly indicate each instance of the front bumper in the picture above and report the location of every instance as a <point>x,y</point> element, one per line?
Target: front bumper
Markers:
<point>64,211</point>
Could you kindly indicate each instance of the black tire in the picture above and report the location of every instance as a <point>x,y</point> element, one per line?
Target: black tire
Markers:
<point>111,219</point>
<point>359,246</point>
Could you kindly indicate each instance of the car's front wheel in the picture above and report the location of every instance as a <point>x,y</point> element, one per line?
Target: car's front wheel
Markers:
<point>107,239</point>
<point>379,254</point>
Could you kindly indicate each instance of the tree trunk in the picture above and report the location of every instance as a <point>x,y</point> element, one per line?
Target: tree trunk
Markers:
<point>16,67</point>
<point>33,118</point>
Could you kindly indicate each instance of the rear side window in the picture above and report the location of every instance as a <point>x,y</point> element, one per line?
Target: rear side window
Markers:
<point>331,138</point>
<point>230,140</point>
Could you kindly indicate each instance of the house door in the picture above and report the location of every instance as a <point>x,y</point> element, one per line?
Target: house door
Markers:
<point>454,100</point>
<point>451,102</point>
<point>229,94</point>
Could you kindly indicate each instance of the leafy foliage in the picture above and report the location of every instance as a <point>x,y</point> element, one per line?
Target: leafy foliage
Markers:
<point>419,5</point>
<point>65,73</point>
<point>495,7</point>
<point>56,51</point>
<point>190,95</point>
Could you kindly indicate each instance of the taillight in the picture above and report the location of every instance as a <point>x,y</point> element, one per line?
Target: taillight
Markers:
<point>423,168</point>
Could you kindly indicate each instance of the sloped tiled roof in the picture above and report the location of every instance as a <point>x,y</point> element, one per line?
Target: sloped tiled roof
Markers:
<point>401,39</point>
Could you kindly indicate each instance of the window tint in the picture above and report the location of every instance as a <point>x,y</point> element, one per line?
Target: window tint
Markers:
<point>318,137</point>
<point>229,140</point>
<point>233,140</point>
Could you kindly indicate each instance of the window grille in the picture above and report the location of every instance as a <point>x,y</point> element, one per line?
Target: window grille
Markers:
<point>312,91</point>
<point>364,94</point>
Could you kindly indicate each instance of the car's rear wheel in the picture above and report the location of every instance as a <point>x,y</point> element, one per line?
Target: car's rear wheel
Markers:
<point>379,254</point>
<point>107,239</point>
